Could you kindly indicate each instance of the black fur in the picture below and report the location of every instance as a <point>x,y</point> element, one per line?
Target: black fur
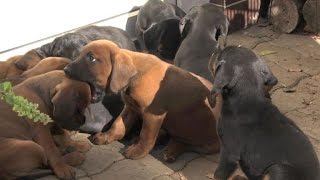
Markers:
<point>157,28</point>
<point>252,131</point>
<point>200,28</point>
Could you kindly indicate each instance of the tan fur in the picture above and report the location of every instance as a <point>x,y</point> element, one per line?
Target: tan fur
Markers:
<point>8,68</point>
<point>46,65</point>
<point>28,60</point>
<point>26,145</point>
<point>162,94</point>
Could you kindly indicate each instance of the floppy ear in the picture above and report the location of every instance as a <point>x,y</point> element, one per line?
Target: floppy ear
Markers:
<point>122,71</point>
<point>63,103</point>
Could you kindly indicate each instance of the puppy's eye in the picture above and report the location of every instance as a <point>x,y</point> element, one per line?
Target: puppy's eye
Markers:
<point>91,58</point>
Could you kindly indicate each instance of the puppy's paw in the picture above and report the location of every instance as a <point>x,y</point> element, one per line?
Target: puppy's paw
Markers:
<point>64,171</point>
<point>100,139</point>
<point>82,146</point>
<point>135,151</point>
<point>74,158</point>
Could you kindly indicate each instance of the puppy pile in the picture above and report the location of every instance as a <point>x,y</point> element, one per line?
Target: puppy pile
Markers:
<point>174,80</point>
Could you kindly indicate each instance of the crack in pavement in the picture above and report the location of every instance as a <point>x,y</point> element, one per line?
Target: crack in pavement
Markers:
<point>108,167</point>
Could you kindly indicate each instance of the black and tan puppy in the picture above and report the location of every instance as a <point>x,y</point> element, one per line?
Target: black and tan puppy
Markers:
<point>69,45</point>
<point>200,30</point>
<point>26,145</point>
<point>157,28</point>
<point>162,94</point>
<point>252,131</point>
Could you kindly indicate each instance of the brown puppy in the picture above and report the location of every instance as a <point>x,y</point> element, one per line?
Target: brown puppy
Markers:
<point>162,94</point>
<point>25,145</point>
<point>44,66</point>
<point>8,68</point>
<point>29,59</point>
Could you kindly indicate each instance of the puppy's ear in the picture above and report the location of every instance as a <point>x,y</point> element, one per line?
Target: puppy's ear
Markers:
<point>122,71</point>
<point>63,102</point>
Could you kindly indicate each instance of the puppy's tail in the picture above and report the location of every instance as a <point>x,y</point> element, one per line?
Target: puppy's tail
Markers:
<point>37,173</point>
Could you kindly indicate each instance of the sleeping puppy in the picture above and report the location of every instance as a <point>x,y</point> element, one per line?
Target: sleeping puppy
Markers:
<point>69,45</point>
<point>252,131</point>
<point>8,69</point>
<point>26,145</point>
<point>157,28</point>
<point>96,114</point>
<point>200,30</point>
<point>162,94</point>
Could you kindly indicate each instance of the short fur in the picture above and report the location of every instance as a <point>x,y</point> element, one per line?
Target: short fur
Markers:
<point>252,131</point>
<point>26,145</point>
<point>162,94</point>
<point>200,29</point>
<point>157,28</point>
<point>69,45</point>
<point>96,114</point>
<point>8,69</point>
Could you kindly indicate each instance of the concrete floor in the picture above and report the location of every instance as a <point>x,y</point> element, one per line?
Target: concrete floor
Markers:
<point>292,58</point>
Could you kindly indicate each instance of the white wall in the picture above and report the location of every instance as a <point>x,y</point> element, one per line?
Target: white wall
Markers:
<point>27,21</point>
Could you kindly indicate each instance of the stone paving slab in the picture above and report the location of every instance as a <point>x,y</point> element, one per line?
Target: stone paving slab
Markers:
<point>290,56</point>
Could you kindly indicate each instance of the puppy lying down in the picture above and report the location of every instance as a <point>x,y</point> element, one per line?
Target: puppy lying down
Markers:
<point>26,145</point>
<point>252,131</point>
<point>164,96</point>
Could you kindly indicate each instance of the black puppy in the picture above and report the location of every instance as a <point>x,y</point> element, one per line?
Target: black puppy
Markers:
<point>157,28</point>
<point>252,131</point>
<point>200,30</point>
<point>69,45</point>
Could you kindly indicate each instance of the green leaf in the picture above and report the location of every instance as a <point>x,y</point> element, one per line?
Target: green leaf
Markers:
<point>22,106</point>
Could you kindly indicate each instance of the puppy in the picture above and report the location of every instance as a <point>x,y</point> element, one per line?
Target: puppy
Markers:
<point>8,69</point>
<point>26,145</point>
<point>200,30</point>
<point>157,28</point>
<point>69,45</point>
<point>96,114</point>
<point>252,131</point>
<point>162,94</point>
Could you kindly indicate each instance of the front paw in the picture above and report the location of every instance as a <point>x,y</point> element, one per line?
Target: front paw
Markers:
<point>82,146</point>
<point>135,151</point>
<point>74,158</point>
<point>100,139</point>
<point>64,171</point>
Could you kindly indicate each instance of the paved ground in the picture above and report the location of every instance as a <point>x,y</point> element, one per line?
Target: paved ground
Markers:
<point>294,59</point>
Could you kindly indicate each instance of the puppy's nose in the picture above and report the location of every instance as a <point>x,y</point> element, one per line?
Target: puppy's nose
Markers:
<point>67,70</point>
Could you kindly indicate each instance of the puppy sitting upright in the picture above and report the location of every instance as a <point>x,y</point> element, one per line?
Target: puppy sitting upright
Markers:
<point>162,94</point>
<point>26,145</point>
<point>252,131</point>
<point>200,29</point>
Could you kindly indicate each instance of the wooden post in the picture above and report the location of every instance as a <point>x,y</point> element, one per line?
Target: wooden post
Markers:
<point>286,14</point>
<point>311,14</point>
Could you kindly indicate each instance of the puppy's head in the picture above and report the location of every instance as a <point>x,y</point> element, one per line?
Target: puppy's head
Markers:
<point>163,39</point>
<point>29,59</point>
<point>69,101</point>
<point>104,66</point>
<point>68,46</point>
<point>239,69</point>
